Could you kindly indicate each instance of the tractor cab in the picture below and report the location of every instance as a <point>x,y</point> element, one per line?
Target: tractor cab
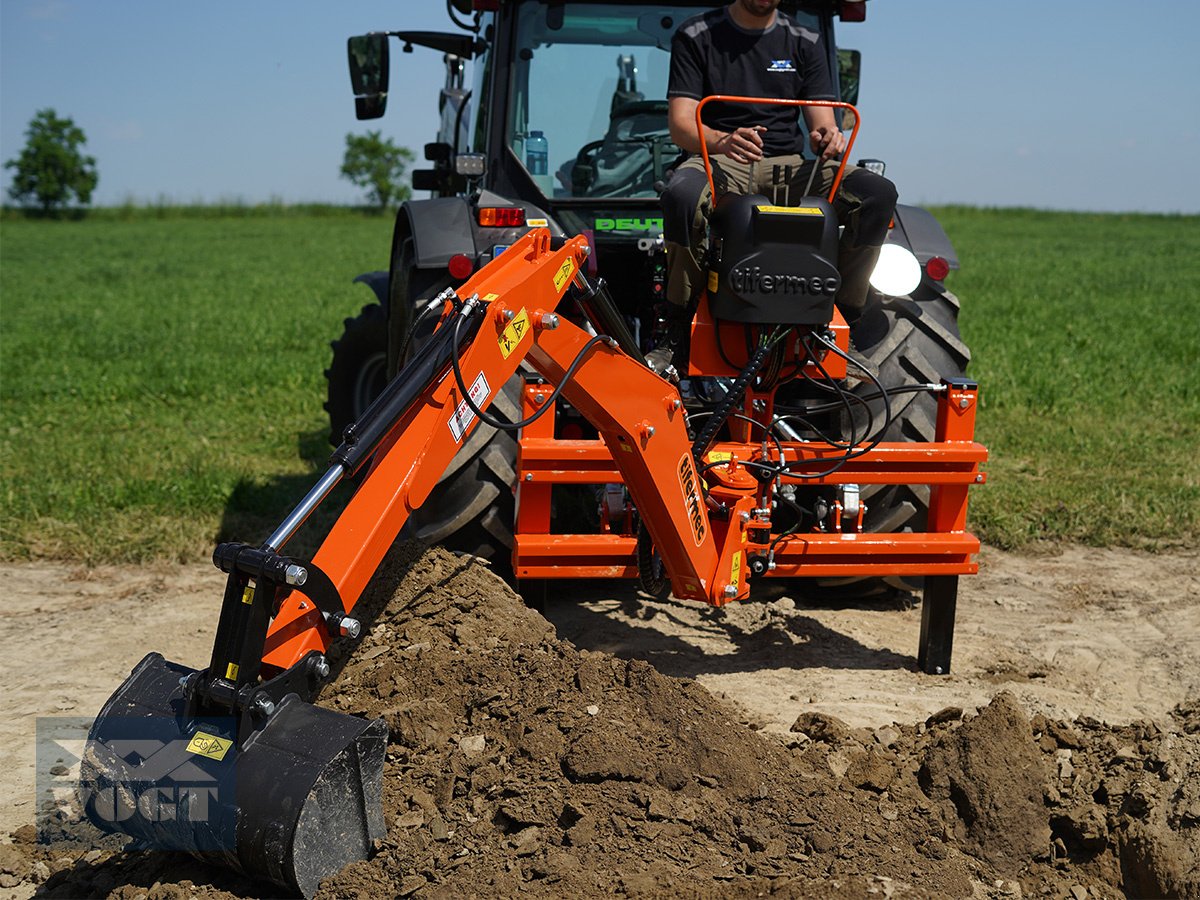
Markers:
<point>564,112</point>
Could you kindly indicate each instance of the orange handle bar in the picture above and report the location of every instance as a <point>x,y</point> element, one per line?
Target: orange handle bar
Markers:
<point>729,98</point>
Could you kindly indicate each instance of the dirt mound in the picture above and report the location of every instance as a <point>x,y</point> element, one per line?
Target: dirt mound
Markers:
<point>519,764</point>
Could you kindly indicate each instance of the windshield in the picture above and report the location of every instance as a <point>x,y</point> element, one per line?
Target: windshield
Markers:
<point>588,110</point>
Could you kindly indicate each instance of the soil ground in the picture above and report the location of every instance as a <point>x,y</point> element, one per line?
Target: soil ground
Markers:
<point>793,748</point>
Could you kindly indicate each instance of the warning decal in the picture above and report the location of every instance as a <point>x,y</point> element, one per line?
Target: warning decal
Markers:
<point>463,416</point>
<point>564,273</point>
<point>513,333</point>
<point>209,745</point>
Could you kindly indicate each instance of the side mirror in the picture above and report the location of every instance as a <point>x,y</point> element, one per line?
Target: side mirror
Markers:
<point>849,67</point>
<point>368,57</point>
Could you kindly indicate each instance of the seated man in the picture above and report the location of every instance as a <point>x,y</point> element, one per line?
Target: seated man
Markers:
<point>750,49</point>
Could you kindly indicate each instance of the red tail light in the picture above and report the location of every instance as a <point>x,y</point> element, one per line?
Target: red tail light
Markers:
<point>853,11</point>
<point>501,216</point>
<point>460,266</point>
<point>937,268</point>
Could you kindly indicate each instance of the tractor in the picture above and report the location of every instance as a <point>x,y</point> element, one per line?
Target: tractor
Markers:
<point>518,149</point>
<point>508,407</point>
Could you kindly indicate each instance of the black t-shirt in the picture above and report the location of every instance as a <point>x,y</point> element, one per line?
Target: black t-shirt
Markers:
<point>712,54</point>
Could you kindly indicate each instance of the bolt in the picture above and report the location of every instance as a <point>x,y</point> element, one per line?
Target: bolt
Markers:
<point>549,321</point>
<point>539,398</point>
<point>263,704</point>
<point>509,315</point>
<point>295,575</point>
<point>979,479</point>
<point>344,625</point>
<point>744,516</point>
<point>529,476</point>
<point>730,591</point>
<point>320,667</point>
<point>964,403</point>
<point>937,670</point>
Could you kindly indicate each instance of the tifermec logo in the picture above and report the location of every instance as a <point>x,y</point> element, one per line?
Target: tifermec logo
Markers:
<point>691,496</point>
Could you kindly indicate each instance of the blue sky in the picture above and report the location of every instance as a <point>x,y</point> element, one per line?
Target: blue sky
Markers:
<point>1076,104</point>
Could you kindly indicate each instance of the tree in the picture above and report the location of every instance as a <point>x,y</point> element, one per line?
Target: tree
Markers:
<point>378,166</point>
<point>51,170</point>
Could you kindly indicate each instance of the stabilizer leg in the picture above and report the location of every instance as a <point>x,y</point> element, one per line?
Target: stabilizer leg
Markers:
<point>937,624</point>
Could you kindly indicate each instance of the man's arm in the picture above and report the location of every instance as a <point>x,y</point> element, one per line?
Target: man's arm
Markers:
<point>825,138</point>
<point>743,145</point>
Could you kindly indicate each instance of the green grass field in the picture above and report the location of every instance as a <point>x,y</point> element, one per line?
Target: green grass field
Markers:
<point>162,375</point>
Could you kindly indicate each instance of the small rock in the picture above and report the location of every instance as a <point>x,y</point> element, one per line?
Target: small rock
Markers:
<point>91,856</point>
<point>41,872</point>
<point>1079,892</point>
<point>60,769</point>
<point>822,727</point>
<point>473,746</point>
<point>887,736</point>
<point>412,819</point>
<point>949,714</point>
<point>9,881</point>
<point>26,834</point>
<point>410,885</point>
<point>438,829</point>
<point>593,710</point>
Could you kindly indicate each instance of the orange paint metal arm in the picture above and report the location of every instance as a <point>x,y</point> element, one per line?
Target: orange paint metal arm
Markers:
<point>648,441</point>
<point>419,448</point>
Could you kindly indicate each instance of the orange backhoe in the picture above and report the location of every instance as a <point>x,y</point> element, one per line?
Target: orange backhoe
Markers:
<point>233,762</point>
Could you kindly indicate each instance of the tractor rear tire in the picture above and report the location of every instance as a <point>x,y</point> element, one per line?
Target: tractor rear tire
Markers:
<point>908,342</point>
<point>472,507</point>
<point>358,371</point>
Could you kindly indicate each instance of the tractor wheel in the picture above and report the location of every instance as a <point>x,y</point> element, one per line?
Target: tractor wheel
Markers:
<point>472,507</point>
<point>908,342</point>
<point>358,371</point>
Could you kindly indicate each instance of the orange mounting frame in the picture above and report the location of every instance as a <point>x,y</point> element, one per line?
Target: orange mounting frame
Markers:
<point>755,101</point>
<point>949,465</point>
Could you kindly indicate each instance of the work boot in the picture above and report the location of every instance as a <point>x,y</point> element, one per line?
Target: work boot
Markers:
<point>672,350</point>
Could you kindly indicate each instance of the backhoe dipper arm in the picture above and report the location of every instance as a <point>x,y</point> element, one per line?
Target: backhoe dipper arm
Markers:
<point>638,414</point>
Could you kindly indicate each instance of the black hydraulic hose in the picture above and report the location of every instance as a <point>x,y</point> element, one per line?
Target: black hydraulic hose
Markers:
<point>727,403</point>
<point>361,438</point>
<point>550,401</point>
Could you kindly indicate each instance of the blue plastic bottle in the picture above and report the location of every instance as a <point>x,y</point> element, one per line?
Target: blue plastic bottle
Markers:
<point>537,153</point>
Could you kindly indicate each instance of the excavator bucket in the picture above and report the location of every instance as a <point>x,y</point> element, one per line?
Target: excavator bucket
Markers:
<point>290,796</point>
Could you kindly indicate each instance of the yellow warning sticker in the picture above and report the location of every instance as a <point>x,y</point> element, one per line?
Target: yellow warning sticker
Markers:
<point>488,298</point>
<point>714,281</point>
<point>209,745</point>
<point>513,332</point>
<point>248,595</point>
<point>793,210</point>
<point>720,456</point>
<point>735,572</point>
<point>563,275</point>
<point>231,671</point>
<point>537,223</point>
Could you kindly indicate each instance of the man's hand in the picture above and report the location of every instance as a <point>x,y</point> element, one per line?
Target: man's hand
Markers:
<point>827,141</point>
<point>744,145</point>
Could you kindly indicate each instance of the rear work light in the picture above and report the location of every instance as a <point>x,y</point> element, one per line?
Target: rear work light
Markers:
<point>501,216</point>
<point>937,268</point>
